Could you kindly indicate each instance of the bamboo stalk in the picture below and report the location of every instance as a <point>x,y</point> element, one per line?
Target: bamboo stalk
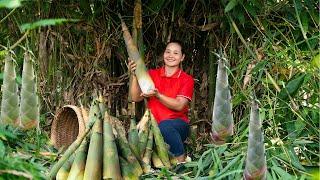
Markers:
<point>93,169</point>
<point>111,165</point>
<point>65,169</point>
<point>147,155</point>
<point>133,138</point>
<point>143,138</point>
<point>125,150</point>
<point>161,146</point>
<point>79,163</point>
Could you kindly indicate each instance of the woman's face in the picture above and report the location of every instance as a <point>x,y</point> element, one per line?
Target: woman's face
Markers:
<point>172,55</point>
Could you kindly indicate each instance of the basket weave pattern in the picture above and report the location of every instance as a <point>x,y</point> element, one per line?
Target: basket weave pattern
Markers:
<point>67,125</point>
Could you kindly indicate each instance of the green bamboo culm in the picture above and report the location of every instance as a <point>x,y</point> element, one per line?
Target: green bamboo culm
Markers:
<point>111,164</point>
<point>161,146</point>
<point>143,132</point>
<point>148,153</point>
<point>133,137</point>
<point>93,169</point>
<point>79,163</point>
<point>10,97</point>
<point>94,113</point>
<point>125,150</point>
<point>222,119</point>
<point>63,172</point>
<point>29,103</point>
<point>256,165</point>
<point>127,170</point>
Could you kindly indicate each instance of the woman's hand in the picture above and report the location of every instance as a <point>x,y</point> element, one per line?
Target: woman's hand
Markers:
<point>132,66</point>
<point>151,93</point>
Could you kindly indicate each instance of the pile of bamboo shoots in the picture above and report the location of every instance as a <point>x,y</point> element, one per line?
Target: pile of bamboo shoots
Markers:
<point>106,151</point>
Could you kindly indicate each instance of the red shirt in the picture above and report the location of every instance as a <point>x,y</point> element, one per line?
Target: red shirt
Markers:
<point>179,84</point>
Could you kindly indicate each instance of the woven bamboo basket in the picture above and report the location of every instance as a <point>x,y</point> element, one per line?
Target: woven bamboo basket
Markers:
<point>68,124</point>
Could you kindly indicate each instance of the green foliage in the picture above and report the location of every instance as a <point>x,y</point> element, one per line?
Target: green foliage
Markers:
<point>45,22</point>
<point>19,154</point>
<point>316,61</point>
<point>10,3</point>
<point>292,87</point>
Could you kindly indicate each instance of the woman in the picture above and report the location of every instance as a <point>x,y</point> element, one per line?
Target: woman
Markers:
<point>169,100</point>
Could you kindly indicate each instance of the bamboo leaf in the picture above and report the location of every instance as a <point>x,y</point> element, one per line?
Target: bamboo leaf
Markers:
<point>283,174</point>
<point>292,87</point>
<point>314,62</point>
<point>231,4</point>
<point>45,22</point>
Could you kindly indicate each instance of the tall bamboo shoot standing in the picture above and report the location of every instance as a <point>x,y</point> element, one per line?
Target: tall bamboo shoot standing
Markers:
<point>10,97</point>
<point>222,120</point>
<point>29,104</point>
<point>256,165</point>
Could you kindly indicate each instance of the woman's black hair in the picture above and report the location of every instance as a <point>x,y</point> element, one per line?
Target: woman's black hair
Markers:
<point>179,43</point>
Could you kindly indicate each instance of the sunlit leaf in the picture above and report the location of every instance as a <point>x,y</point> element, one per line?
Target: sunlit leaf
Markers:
<point>316,61</point>
<point>230,5</point>
<point>10,4</point>
<point>45,22</point>
<point>292,87</point>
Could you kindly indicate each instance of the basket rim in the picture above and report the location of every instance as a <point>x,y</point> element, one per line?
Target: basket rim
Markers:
<point>54,126</point>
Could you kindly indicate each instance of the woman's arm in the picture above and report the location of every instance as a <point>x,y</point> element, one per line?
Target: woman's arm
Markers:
<point>176,104</point>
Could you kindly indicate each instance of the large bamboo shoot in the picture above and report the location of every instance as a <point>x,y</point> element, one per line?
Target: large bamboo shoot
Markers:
<point>111,165</point>
<point>93,169</point>
<point>79,163</point>
<point>145,82</point>
<point>222,119</point>
<point>10,97</point>
<point>161,146</point>
<point>63,172</point>
<point>29,104</point>
<point>256,165</point>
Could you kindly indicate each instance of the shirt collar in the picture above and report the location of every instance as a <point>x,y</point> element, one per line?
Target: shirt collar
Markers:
<point>175,75</point>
